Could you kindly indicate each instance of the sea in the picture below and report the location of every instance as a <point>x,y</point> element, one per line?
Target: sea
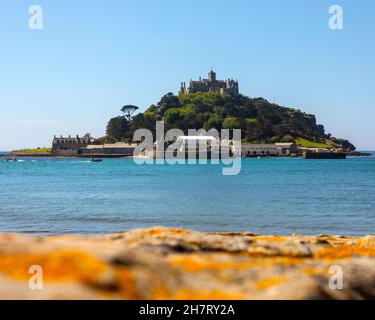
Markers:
<point>46,196</point>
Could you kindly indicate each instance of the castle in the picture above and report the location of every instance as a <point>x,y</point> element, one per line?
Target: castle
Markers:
<point>69,146</point>
<point>229,86</point>
<point>82,147</point>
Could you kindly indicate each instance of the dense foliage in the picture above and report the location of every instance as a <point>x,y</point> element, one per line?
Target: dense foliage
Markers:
<point>259,120</point>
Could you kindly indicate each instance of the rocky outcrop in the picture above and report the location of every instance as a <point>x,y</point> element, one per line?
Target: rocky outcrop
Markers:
<point>162,263</point>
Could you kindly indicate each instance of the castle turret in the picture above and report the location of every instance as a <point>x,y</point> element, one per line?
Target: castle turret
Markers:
<point>212,76</point>
<point>182,88</point>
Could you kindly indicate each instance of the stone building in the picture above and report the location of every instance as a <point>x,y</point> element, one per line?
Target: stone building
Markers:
<point>109,150</point>
<point>211,84</point>
<point>68,146</point>
<point>287,148</point>
<point>258,150</point>
<point>271,149</point>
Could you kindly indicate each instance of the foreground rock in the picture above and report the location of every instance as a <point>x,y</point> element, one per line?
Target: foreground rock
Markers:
<point>164,263</point>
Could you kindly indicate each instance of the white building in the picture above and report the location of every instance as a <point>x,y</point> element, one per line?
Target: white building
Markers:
<point>197,143</point>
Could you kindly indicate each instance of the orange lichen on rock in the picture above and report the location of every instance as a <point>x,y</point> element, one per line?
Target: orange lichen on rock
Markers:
<point>160,292</point>
<point>270,282</point>
<point>269,238</point>
<point>284,261</point>
<point>57,266</point>
<point>344,251</point>
<point>367,242</point>
<point>199,263</point>
<point>160,231</point>
<point>314,271</point>
<point>161,263</point>
<point>127,284</point>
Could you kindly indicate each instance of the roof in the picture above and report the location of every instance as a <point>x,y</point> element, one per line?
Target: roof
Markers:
<point>251,145</point>
<point>286,144</point>
<point>71,140</point>
<point>197,138</point>
<point>117,145</point>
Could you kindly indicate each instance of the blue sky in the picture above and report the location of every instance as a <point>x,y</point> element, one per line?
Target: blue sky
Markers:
<point>92,57</point>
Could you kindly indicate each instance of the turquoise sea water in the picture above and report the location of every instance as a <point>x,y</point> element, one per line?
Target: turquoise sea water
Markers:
<point>270,196</point>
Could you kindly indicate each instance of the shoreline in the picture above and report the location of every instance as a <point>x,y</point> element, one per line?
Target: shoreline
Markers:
<point>93,235</point>
<point>162,263</point>
<point>114,156</point>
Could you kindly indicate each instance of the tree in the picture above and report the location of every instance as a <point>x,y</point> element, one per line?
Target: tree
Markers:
<point>280,130</point>
<point>168,101</point>
<point>144,120</point>
<point>287,138</point>
<point>258,119</point>
<point>172,115</point>
<point>231,123</point>
<point>88,135</point>
<point>128,111</point>
<point>214,121</point>
<point>230,109</point>
<point>249,110</point>
<point>117,128</point>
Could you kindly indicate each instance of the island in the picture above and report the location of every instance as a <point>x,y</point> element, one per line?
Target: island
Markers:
<point>267,129</point>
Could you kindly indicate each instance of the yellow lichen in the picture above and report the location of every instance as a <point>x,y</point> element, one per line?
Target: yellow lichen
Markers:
<point>160,292</point>
<point>199,263</point>
<point>287,261</point>
<point>270,238</point>
<point>127,284</point>
<point>344,251</point>
<point>162,231</point>
<point>270,282</point>
<point>313,271</point>
<point>367,242</point>
<point>57,266</point>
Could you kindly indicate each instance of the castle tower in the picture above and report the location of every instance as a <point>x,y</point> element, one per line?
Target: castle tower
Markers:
<point>212,76</point>
<point>182,88</point>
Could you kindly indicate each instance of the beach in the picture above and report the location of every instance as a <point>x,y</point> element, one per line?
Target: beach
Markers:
<point>162,263</point>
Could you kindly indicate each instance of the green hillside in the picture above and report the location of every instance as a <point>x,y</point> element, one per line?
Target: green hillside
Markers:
<point>259,120</point>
